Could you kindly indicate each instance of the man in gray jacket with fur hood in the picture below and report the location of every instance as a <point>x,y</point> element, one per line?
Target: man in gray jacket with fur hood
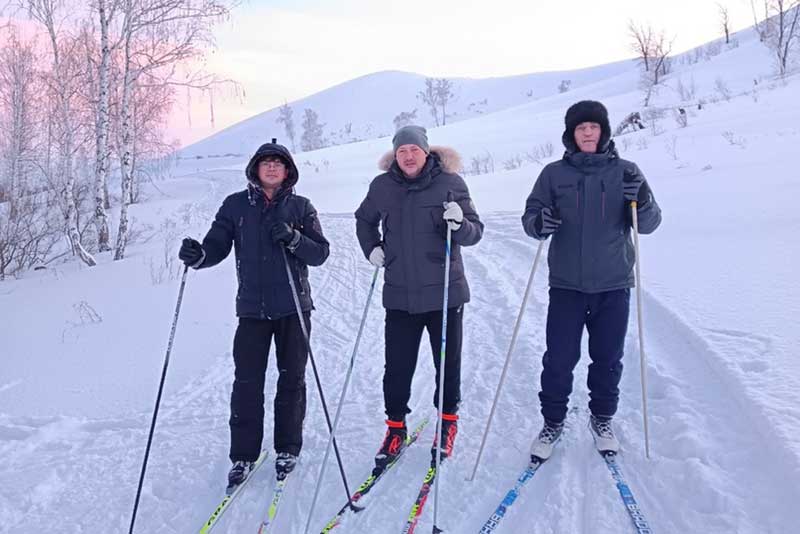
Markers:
<point>402,226</point>
<point>584,201</point>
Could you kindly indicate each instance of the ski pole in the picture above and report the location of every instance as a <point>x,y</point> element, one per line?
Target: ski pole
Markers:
<point>341,402</point>
<point>316,375</point>
<point>442,352</point>
<point>158,397</point>
<point>642,356</point>
<point>508,359</point>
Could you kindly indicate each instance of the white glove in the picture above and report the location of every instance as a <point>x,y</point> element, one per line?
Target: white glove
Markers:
<point>377,257</point>
<point>453,214</point>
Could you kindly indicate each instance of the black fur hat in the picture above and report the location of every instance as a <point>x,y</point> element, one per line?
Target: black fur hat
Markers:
<point>588,111</point>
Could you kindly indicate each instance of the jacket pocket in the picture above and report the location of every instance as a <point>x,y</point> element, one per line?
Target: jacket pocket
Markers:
<point>436,217</point>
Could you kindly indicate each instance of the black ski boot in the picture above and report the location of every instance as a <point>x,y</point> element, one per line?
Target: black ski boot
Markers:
<point>392,445</point>
<point>285,463</point>
<point>449,431</point>
<point>238,474</point>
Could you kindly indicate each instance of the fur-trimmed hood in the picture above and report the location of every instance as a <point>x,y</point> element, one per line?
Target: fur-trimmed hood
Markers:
<point>449,159</point>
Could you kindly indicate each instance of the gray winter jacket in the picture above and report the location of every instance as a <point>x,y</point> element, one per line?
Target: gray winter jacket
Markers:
<point>592,250</point>
<point>405,217</point>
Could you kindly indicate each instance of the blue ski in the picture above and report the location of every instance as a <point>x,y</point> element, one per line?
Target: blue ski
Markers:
<point>639,521</point>
<point>511,496</point>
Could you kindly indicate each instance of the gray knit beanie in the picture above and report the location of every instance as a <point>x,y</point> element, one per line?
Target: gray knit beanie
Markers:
<point>411,135</point>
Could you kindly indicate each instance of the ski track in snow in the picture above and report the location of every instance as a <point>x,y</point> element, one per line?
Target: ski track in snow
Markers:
<point>703,429</point>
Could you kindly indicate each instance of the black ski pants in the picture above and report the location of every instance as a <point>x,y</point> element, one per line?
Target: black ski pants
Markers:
<point>403,336</point>
<point>250,350</point>
<point>605,316</point>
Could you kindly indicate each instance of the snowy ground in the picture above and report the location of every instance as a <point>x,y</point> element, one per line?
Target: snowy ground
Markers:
<point>83,350</point>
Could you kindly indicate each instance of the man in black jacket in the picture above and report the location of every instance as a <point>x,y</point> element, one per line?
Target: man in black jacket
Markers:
<point>401,226</point>
<point>259,222</point>
<point>584,201</point>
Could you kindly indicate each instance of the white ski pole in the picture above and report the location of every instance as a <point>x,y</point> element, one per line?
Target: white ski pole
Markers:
<point>642,356</point>
<point>508,359</point>
<point>341,403</point>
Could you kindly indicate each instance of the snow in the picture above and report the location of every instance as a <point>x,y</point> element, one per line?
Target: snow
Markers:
<point>83,348</point>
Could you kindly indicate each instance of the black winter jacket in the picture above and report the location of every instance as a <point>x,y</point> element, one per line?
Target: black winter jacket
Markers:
<point>405,217</point>
<point>244,221</point>
<point>592,250</point>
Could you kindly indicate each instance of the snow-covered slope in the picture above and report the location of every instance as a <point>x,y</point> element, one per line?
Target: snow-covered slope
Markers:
<point>370,103</point>
<point>83,348</point>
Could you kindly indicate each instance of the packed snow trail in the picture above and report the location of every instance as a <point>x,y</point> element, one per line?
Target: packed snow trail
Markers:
<point>716,466</point>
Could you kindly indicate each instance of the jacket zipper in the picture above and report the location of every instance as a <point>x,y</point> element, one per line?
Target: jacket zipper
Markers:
<point>603,198</point>
<point>581,218</point>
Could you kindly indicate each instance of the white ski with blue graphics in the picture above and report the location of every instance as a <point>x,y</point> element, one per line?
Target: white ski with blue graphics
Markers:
<point>511,496</point>
<point>639,521</point>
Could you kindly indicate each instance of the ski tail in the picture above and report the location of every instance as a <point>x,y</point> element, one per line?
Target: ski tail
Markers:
<point>272,510</point>
<point>419,503</point>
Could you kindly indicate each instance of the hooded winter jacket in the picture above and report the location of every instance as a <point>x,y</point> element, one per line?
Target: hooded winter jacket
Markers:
<point>405,217</point>
<point>592,250</point>
<point>245,221</point>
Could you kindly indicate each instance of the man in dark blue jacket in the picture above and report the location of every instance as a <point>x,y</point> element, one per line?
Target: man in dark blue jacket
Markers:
<point>401,226</point>
<point>258,222</point>
<point>584,201</point>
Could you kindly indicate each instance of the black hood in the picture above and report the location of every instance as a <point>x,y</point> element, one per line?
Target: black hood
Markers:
<point>272,149</point>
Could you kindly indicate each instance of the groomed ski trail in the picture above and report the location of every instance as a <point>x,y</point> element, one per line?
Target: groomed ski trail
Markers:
<point>714,456</point>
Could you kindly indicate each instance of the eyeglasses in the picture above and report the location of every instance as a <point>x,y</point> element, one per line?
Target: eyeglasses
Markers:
<point>275,164</point>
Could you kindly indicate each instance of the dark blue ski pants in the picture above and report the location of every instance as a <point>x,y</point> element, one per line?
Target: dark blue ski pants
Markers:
<point>605,316</point>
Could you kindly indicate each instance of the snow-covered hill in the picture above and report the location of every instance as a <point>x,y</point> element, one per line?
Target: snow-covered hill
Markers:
<point>82,349</point>
<point>364,108</point>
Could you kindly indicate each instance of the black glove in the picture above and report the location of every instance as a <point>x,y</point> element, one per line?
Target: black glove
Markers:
<point>547,222</point>
<point>283,234</point>
<point>635,188</point>
<point>191,253</point>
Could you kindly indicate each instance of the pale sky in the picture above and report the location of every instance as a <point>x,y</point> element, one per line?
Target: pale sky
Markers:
<point>282,50</point>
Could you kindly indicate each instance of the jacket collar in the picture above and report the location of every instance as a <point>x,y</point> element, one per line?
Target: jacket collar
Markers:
<point>582,160</point>
<point>255,194</point>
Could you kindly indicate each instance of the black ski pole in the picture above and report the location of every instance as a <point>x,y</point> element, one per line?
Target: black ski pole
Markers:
<point>316,375</point>
<point>158,397</point>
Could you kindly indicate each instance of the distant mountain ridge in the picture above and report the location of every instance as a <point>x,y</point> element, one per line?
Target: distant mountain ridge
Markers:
<point>365,107</point>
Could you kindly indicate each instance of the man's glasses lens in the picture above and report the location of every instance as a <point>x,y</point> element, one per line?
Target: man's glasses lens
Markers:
<point>272,163</point>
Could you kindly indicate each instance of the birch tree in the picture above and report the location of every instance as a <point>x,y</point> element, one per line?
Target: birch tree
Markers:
<point>19,89</point>
<point>313,137</point>
<point>64,82</point>
<point>784,34</point>
<point>158,37</point>
<point>106,10</point>
<point>444,93</point>
<point>642,38</point>
<point>430,98</point>
<point>285,117</point>
<point>725,22</point>
<point>763,28</point>
<point>27,232</point>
